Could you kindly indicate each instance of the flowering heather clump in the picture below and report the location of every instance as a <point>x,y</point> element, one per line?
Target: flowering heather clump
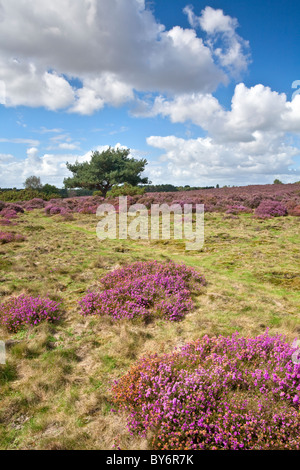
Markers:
<point>7,237</point>
<point>216,393</point>
<point>236,209</point>
<point>52,210</point>
<point>9,213</point>
<point>145,289</point>
<point>15,207</point>
<point>269,208</point>
<point>21,311</point>
<point>5,222</point>
<point>35,203</point>
<point>88,210</point>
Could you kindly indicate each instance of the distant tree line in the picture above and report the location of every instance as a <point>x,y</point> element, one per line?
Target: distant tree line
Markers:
<point>167,188</point>
<point>110,173</point>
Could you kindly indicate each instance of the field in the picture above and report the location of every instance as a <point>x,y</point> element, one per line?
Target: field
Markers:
<point>56,386</point>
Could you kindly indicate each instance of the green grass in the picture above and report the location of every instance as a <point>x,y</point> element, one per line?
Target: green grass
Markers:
<point>55,387</point>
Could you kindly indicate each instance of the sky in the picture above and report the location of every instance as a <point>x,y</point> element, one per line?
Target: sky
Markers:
<point>207,91</point>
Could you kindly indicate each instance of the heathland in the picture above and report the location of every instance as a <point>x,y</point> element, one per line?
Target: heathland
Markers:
<point>58,386</point>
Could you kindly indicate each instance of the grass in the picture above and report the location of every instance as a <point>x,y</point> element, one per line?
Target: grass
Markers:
<point>55,387</point>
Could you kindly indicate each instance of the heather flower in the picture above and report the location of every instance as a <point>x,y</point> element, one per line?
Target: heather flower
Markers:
<point>269,208</point>
<point>7,237</point>
<point>5,222</point>
<point>14,207</point>
<point>9,213</point>
<point>36,203</point>
<point>236,209</point>
<point>215,393</point>
<point>22,311</point>
<point>145,290</point>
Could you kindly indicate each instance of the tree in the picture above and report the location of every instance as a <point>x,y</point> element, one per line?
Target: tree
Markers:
<point>50,189</point>
<point>33,182</point>
<point>277,181</point>
<point>106,169</point>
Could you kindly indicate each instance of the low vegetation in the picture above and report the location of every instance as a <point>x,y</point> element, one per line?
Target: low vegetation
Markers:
<point>71,376</point>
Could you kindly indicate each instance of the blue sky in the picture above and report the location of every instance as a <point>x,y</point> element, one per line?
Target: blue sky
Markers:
<point>202,90</point>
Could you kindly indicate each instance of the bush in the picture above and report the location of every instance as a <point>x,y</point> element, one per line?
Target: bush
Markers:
<point>15,207</point>
<point>36,203</point>
<point>5,222</point>
<point>18,312</point>
<point>269,208</point>
<point>124,190</point>
<point>9,214</point>
<point>295,211</point>
<point>145,290</point>
<point>52,210</point>
<point>8,237</point>
<point>216,393</point>
<point>25,195</point>
<point>237,209</point>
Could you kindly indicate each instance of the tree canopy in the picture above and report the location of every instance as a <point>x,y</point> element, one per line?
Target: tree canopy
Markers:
<point>106,169</point>
<point>33,182</point>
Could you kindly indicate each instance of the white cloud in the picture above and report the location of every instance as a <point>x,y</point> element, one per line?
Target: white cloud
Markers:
<point>69,146</point>
<point>20,141</point>
<point>230,50</point>
<point>251,139</point>
<point>45,130</point>
<point>50,167</point>
<point>252,109</point>
<point>27,85</point>
<point>203,161</point>
<point>5,157</point>
<point>214,21</point>
<point>114,47</point>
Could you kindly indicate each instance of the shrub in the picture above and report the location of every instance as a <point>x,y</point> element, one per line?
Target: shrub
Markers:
<point>18,312</point>
<point>52,210</point>
<point>15,207</point>
<point>7,237</point>
<point>236,209</point>
<point>145,290</point>
<point>125,190</point>
<point>295,211</point>
<point>215,393</point>
<point>269,208</point>
<point>5,222</point>
<point>36,203</point>
<point>9,214</point>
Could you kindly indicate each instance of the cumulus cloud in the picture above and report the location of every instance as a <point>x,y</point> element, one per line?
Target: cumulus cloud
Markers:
<point>252,109</point>
<point>250,140</point>
<point>203,161</point>
<point>27,85</point>
<point>230,49</point>
<point>113,47</point>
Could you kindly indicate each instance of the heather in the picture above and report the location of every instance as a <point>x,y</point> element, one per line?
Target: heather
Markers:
<point>269,208</point>
<point>145,290</point>
<point>8,237</point>
<point>56,387</point>
<point>5,222</point>
<point>24,311</point>
<point>268,200</point>
<point>216,393</point>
